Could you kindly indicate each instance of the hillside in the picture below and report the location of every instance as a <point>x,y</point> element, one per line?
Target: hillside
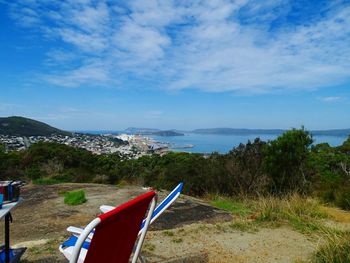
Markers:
<point>20,126</point>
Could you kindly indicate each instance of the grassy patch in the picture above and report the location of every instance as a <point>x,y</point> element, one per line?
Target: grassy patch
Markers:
<point>301,213</point>
<point>335,250</point>
<point>244,226</point>
<point>233,206</point>
<point>74,197</point>
<point>46,181</point>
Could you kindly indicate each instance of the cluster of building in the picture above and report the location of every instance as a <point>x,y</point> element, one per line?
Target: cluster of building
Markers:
<point>133,146</point>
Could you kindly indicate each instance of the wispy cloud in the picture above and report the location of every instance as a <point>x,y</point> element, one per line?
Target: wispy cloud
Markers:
<point>236,46</point>
<point>331,99</point>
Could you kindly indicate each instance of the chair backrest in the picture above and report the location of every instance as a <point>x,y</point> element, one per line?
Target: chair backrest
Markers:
<point>164,204</point>
<point>116,234</point>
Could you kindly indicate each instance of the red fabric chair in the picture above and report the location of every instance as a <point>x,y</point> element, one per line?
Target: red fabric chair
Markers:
<point>115,233</point>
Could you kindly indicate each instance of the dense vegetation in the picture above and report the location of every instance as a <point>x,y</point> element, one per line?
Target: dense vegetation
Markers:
<point>289,164</point>
<point>20,126</point>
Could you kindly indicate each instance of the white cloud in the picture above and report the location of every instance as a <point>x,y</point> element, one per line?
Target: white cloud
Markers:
<point>331,99</point>
<point>240,46</point>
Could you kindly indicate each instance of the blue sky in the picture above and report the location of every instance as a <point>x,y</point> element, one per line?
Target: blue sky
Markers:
<point>108,65</point>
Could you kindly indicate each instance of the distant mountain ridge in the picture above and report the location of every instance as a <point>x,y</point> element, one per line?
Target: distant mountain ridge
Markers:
<point>20,126</point>
<point>157,132</point>
<point>145,131</point>
<point>233,131</point>
<point>336,132</point>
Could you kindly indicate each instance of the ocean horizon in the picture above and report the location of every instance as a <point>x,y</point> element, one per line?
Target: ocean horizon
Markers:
<point>222,143</point>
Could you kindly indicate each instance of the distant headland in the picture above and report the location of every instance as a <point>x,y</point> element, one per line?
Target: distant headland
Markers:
<point>21,126</point>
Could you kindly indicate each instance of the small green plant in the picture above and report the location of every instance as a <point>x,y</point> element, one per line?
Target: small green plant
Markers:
<point>74,197</point>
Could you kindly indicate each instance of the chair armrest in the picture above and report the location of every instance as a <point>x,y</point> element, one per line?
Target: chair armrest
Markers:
<point>81,239</point>
<point>106,208</point>
<point>77,232</point>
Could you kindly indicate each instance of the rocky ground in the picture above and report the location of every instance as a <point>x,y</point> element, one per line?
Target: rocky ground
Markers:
<point>190,231</point>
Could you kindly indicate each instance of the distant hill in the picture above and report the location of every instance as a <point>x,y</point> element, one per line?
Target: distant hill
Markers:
<point>232,131</point>
<point>168,133</point>
<point>338,132</point>
<point>149,131</point>
<point>20,126</point>
<point>134,130</point>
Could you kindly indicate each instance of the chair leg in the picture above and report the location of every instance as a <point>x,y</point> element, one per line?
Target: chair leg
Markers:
<point>141,259</point>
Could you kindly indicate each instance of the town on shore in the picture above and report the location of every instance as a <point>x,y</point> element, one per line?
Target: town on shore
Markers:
<point>132,146</point>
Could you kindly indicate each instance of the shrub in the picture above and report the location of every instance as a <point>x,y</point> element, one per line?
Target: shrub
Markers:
<point>285,160</point>
<point>342,198</point>
<point>74,197</point>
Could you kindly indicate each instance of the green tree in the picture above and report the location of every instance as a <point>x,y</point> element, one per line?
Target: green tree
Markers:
<point>286,159</point>
<point>244,164</point>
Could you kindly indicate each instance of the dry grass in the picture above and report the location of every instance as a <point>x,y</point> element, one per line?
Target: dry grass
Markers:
<point>303,214</point>
<point>306,215</point>
<point>336,249</point>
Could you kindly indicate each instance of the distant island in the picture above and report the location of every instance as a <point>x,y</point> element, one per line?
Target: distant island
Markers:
<point>144,131</point>
<point>168,133</point>
<point>20,126</point>
<point>157,132</point>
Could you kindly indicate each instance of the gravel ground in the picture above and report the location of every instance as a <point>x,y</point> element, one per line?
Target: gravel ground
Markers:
<point>190,231</point>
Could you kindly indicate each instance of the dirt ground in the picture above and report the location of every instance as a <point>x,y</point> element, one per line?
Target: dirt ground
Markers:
<point>190,231</point>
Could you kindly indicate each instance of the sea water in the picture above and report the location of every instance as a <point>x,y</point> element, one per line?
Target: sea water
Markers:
<point>208,143</point>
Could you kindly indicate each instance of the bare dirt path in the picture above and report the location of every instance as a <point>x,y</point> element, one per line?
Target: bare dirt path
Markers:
<point>190,231</point>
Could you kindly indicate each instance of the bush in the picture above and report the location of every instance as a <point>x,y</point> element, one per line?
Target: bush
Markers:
<point>342,198</point>
<point>286,159</point>
<point>74,197</point>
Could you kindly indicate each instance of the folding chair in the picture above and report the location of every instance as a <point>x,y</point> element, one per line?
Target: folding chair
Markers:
<point>115,233</point>
<point>170,199</point>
